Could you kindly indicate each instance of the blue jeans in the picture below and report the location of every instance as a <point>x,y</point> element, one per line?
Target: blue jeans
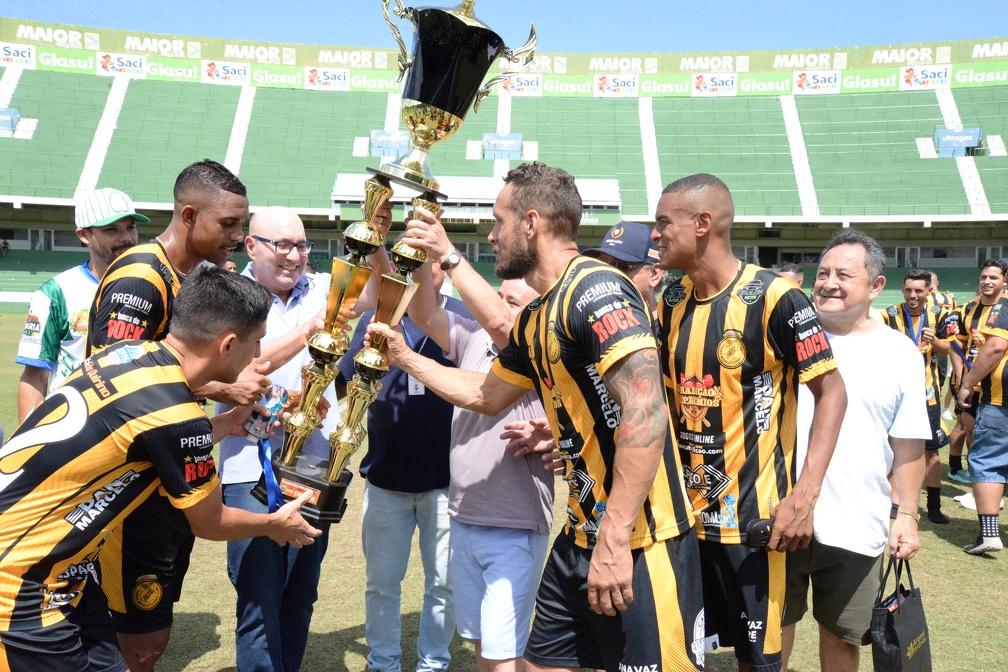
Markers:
<point>388,521</point>
<point>277,588</point>
<point>988,455</point>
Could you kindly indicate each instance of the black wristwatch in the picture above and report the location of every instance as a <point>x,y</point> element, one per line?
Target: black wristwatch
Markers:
<point>453,259</point>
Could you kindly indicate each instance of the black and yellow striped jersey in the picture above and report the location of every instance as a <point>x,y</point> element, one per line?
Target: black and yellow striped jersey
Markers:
<point>994,386</point>
<point>562,345</point>
<point>732,364</point>
<point>946,326</point>
<point>971,317</point>
<point>122,425</point>
<point>134,298</point>
<point>946,300</point>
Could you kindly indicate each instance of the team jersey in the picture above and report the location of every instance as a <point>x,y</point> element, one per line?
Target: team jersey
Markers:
<point>945,325</point>
<point>56,331</point>
<point>134,299</point>
<point>122,425</point>
<point>994,386</point>
<point>732,364</point>
<point>562,345</point>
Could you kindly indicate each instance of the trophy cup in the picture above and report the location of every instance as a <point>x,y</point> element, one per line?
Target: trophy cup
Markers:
<point>452,53</point>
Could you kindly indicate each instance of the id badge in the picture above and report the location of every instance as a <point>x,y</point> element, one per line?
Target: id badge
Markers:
<point>416,388</point>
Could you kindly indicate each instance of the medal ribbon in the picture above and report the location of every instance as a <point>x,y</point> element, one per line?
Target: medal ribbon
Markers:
<point>914,336</point>
<point>273,493</point>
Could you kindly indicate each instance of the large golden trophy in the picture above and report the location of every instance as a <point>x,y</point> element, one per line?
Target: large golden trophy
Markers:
<point>452,53</point>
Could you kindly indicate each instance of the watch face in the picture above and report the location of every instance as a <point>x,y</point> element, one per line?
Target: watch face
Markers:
<point>452,260</point>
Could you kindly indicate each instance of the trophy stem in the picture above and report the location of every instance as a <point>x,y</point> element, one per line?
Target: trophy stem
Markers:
<point>406,257</point>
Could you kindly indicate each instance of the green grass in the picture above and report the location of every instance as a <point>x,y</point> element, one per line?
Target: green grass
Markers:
<point>963,595</point>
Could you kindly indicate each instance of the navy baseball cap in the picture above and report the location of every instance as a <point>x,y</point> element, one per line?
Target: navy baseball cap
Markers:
<point>628,241</point>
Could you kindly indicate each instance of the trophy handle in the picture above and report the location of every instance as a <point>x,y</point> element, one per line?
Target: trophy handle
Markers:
<point>403,13</point>
<point>521,56</point>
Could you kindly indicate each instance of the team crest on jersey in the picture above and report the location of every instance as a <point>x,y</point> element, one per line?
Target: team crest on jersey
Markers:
<point>731,350</point>
<point>697,395</point>
<point>750,292</point>
<point>147,593</point>
<point>892,311</point>
<point>674,295</point>
<point>936,309</point>
<point>706,480</point>
<point>552,344</point>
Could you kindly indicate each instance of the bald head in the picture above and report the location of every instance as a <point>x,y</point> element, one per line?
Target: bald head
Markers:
<point>706,193</point>
<point>270,222</point>
<point>278,272</point>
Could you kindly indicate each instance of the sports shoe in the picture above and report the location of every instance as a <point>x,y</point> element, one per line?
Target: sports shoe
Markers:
<point>947,416</point>
<point>961,476</point>
<point>967,500</point>
<point>984,545</point>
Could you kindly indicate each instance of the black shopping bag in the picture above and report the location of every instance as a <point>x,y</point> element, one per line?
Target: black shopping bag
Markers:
<point>899,634</point>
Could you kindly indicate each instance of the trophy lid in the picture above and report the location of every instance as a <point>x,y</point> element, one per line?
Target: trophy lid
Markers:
<point>464,13</point>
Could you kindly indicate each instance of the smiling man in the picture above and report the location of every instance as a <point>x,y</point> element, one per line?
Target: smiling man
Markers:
<point>932,329</point>
<point>135,301</point>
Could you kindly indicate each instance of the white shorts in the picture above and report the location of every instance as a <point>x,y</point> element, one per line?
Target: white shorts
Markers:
<point>495,574</point>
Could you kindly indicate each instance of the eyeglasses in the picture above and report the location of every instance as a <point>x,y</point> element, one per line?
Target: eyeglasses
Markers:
<point>627,267</point>
<point>284,247</point>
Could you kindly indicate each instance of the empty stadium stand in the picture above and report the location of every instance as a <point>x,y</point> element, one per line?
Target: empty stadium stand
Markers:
<point>987,108</point>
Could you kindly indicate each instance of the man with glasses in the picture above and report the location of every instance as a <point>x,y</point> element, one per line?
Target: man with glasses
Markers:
<point>277,586</point>
<point>628,248</point>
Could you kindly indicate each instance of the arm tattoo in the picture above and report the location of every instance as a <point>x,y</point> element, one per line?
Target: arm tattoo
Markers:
<point>635,383</point>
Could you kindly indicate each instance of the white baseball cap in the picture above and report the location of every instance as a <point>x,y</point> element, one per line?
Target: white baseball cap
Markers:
<point>102,207</point>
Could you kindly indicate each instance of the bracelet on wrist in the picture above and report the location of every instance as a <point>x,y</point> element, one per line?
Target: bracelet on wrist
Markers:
<point>907,512</point>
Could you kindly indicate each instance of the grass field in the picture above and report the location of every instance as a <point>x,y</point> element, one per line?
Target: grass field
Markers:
<point>965,596</point>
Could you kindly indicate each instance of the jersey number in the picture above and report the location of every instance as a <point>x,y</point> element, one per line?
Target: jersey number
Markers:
<point>66,427</point>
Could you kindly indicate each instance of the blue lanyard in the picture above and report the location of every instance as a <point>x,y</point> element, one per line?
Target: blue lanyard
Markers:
<point>915,337</point>
<point>274,495</point>
<point>409,340</point>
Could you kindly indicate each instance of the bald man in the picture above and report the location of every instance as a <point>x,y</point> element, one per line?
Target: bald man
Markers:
<point>736,341</point>
<point>277,586</point>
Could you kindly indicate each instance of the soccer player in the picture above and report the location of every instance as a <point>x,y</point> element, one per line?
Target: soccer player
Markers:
<point>621,585</point>
<point>931,328</point>
<point>135,301</point>
<point>122,426</point>
<point>971,316</point>
<point>52,344</point>
<point>736,341</point>
<point>988,460</point>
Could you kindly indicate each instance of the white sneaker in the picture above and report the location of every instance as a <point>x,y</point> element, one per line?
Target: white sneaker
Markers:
<point>947,416</point>
<point>969,501</point>
<point>984,545</point>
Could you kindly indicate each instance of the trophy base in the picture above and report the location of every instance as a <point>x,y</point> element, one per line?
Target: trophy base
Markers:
<point>326,505</point>
<point>409,179</point>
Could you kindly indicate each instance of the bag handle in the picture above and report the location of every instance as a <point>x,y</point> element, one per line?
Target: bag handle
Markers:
<point>885,578</point>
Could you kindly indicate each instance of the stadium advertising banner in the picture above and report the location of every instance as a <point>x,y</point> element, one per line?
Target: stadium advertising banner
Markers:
<point>108,52</point>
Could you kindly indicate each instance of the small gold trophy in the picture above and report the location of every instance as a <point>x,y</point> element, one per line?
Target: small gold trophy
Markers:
<point>452,53</point>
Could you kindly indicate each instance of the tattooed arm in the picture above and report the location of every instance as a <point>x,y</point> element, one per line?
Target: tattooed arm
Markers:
<point>635,383</point>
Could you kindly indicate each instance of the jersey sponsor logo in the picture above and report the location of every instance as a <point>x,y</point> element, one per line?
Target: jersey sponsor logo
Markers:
<point>54,600</point>
<point>994,312</point>
<point>936,309</point>
<point>674,295</point>
<point>79,322</point>
<point>750,292</point>
<point>598,291</point>
<point>123,355</point>
<point>613,323</point>
<point>697,395</point>
<point>135,302</point>
<point>610,410</point>
<point>32,327</point>
<point>125,329</point>
<point>79,571</point>
<point>85,513</point>
<point>200,466</point>
<point>147,593</point>
<point>653,667</point>
<point>729,515</point>
<point>810,346</point>
<point>764,399</point>
<point>706,480</point>
<point>731,350</point>
<point>104,388</point>
<point>754,628</point>
<point>567,449</point>
<point>803,316</point>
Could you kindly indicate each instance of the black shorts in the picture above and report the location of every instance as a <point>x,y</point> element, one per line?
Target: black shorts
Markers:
<point>662,629</point>
<point>143,564</point>
<point>744,601</point>
<point>971,411</point>
<point>938,438</point>
<point>84,642</point>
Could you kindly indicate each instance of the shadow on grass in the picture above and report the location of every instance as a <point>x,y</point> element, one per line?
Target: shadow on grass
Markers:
<point>198,631</point>
<point>956,533</point>
<point>334,650</point>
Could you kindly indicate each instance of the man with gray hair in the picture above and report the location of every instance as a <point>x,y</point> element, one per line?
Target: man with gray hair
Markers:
<point>884,429</point>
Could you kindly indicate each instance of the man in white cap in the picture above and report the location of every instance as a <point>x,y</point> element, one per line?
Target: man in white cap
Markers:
<point>628,248</point>
<point>52,344</point>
